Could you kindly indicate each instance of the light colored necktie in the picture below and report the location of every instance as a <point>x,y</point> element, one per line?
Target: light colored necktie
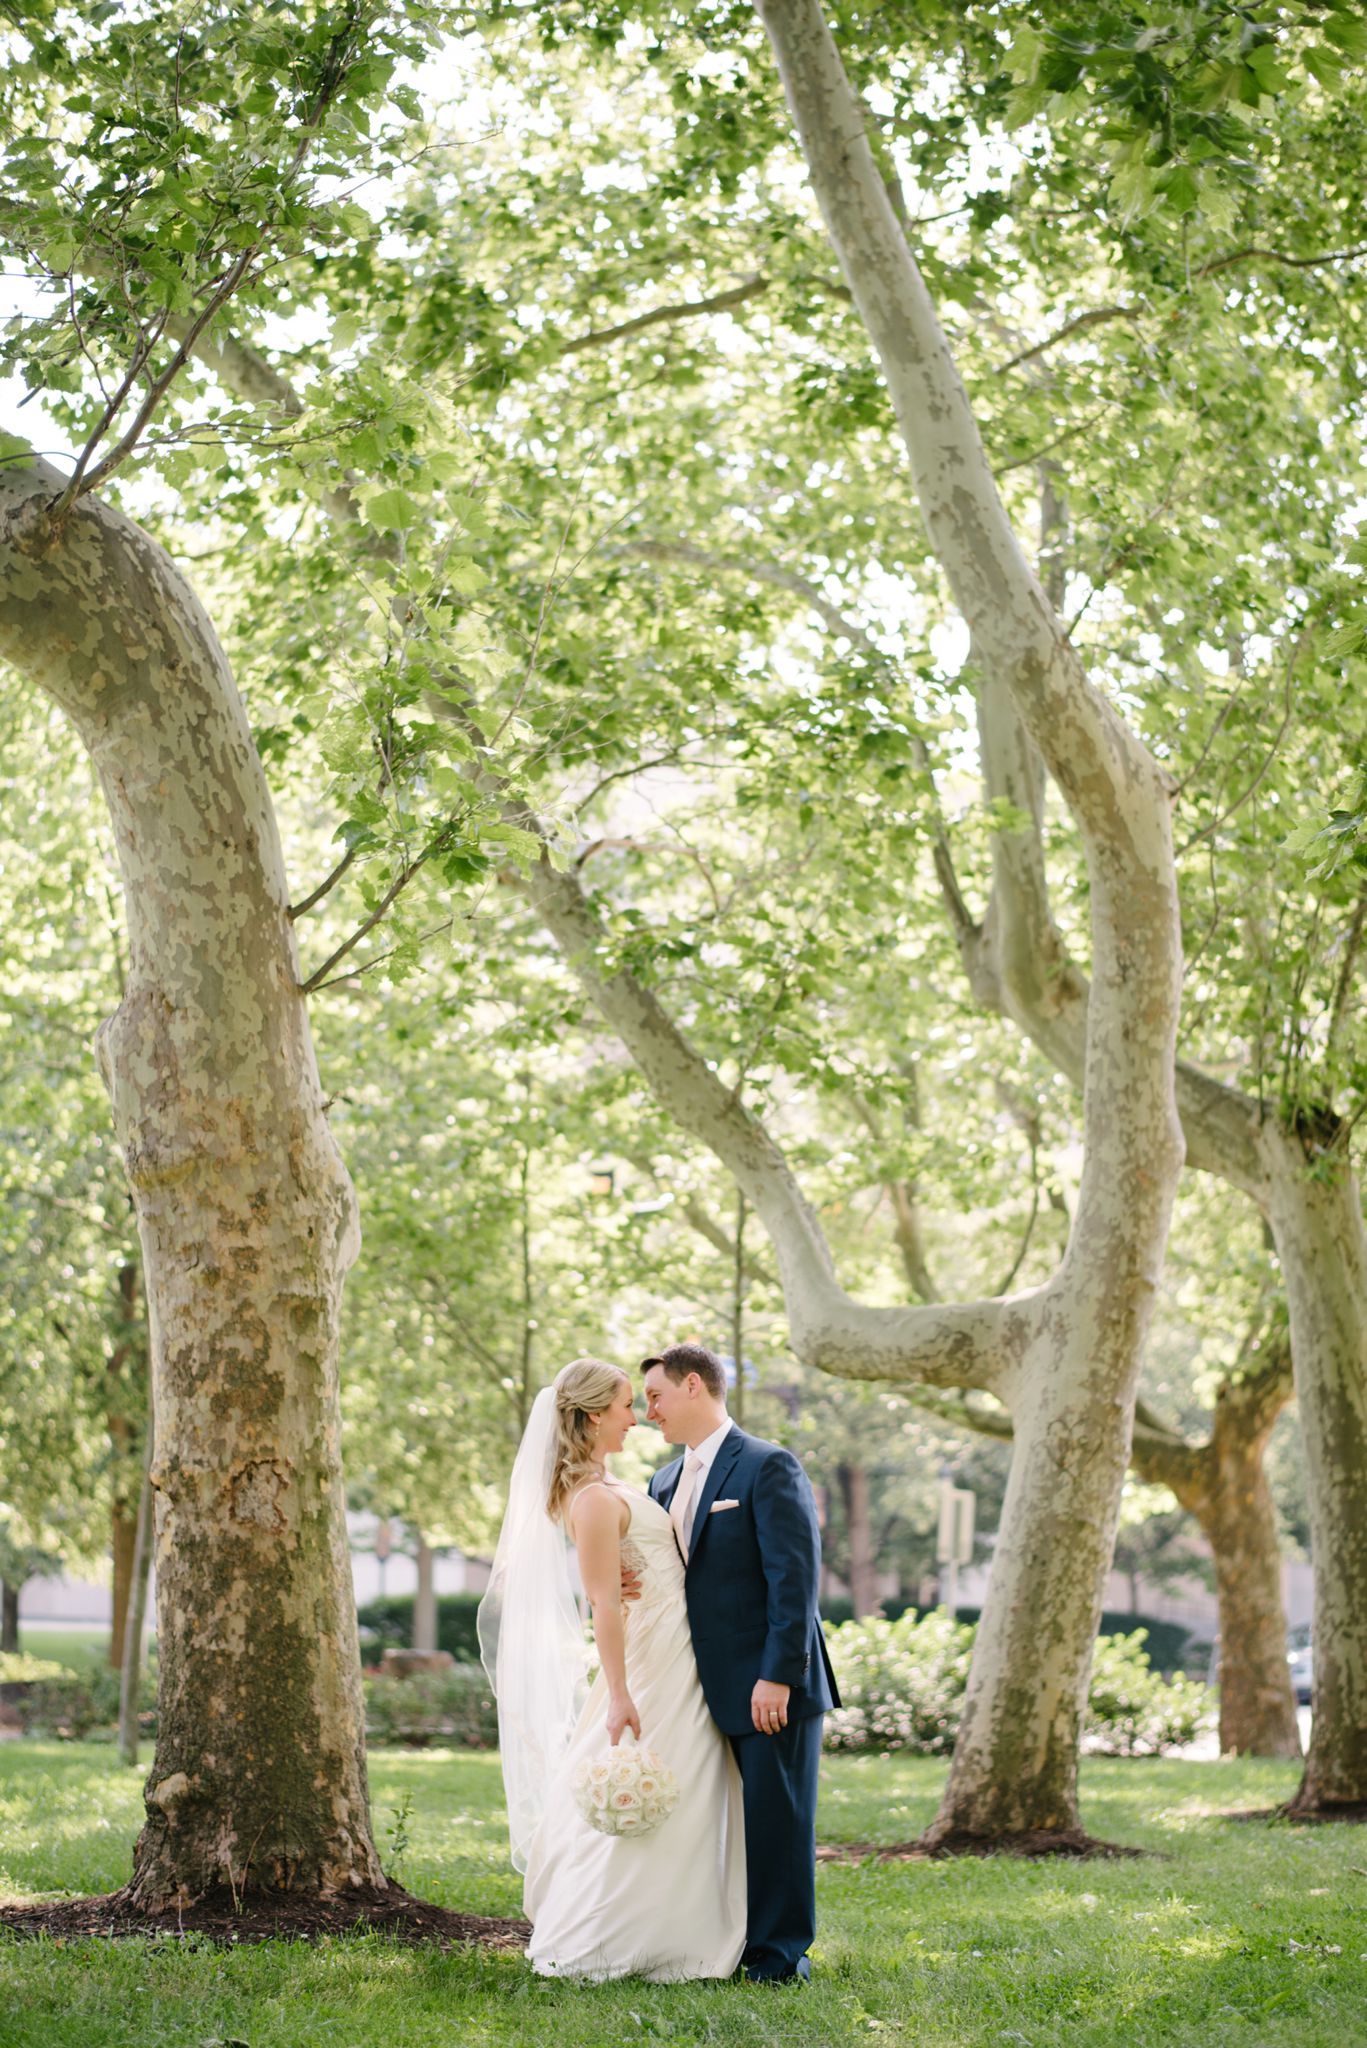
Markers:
<point>685,1501</point>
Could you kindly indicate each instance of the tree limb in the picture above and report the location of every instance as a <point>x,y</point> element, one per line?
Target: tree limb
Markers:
<point>1352,949</point>
<point>1099,315</point>
<point>968,1344</point>
<point>719,302</point>
<point>342,51</point>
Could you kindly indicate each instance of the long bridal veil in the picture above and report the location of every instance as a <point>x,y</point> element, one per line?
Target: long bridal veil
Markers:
<point>531,1635</point>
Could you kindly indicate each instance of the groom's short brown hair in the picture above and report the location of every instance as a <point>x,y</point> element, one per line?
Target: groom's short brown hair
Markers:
<point>682,1359</point>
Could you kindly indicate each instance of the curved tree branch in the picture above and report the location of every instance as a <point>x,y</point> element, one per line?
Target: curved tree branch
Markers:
<point>959,1344</point>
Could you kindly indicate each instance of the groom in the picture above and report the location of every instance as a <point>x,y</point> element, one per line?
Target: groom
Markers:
<point>746,1526</point>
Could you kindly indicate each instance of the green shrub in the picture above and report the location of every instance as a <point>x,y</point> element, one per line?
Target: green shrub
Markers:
<point>1170,1646</point>
<point>390,1625</point>
<point>902,1685</point>
<point>18,1668</point>
<point>71,1707</point>
<point>447,1706</point>
<point>1133,1710</point>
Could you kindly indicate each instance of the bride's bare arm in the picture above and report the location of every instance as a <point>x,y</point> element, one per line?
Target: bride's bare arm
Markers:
<point>596,1523</point>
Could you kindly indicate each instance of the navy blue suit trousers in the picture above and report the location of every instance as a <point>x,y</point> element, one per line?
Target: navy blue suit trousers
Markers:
<point>751,1584</point>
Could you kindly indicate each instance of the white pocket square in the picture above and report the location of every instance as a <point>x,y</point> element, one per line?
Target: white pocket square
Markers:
<point>718,1505</point>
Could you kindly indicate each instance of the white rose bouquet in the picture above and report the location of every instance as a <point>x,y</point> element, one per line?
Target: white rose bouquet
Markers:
<point>625,1791</point>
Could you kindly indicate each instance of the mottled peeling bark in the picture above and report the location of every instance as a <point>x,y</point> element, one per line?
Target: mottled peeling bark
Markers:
<point>127,1363</point>
<point>1223,1484</point>
<point>1315,1209</point>
<point>1071,1390</point>
<point>246,1216</point>
<point>1257,1702</point>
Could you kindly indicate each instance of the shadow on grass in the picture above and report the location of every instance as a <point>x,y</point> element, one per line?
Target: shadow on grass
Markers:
<point>1034,1843</point>
<point>1352,1813</point>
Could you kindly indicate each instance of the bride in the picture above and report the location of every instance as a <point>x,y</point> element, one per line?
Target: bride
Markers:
<point>666,1905</point>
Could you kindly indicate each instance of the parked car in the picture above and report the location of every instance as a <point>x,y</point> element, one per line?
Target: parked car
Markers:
<point>1298,1657</point>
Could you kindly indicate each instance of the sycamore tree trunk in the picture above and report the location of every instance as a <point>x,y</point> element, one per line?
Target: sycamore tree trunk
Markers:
<point>425,1599</point>
<point>123,1537</point>
<point>127,1367</point>
<point>1072,1391</point>
<point>246,1216</point>
<point>9,1618</point>
<point>853,1481</point>
<point>1315,1208</point>
<point>1065,1359</point>
<point>1257,1702</point>
<point>1222,1483</point>
<point>135,1620</point>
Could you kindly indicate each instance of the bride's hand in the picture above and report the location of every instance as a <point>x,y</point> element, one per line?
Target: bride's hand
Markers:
<point>622,1714</point>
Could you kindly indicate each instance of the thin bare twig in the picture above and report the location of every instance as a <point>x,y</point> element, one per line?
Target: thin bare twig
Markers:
<point>314,986</point>
<point>629,845</point>
<point>395,889</point>
<point>297,910</point>
<point>1101,314</point>
<point>1352,948</point>
<point>1268,759</point>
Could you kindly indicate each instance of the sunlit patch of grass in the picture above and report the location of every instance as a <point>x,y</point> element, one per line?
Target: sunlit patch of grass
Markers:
<point>1229,1933</point>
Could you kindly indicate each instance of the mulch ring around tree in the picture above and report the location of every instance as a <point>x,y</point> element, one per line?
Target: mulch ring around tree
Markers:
<point>220,1917</point>
<point>1037,1842</point>
<point>1354,1812</point>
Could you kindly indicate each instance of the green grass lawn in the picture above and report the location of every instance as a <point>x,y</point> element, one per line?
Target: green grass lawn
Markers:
<point>1248,1934</point>
<point>80,1649</point>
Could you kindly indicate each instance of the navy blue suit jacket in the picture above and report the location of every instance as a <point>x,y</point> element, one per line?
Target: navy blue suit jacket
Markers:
<point>752,1580</point>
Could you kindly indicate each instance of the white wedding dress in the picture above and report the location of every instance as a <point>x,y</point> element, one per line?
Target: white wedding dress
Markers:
<point>668,1905</point>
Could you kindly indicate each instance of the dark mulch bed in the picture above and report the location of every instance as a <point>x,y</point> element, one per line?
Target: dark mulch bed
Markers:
<point>1039,1842</point>
<point>1354,1813</point>
<point>219,1917</point>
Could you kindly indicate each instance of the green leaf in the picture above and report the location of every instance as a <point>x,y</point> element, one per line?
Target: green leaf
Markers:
<point>1325,67</point>
<point>1182,191</point>
<point>524,846</point>
<point>1004,816</point>
<point>1347,33</point>
<point>391,510</point>
<point>465,577</point>
<point>1218,205</point>
<point>1133,192</point>
<point>1023,57</point>
<point>357,222</point>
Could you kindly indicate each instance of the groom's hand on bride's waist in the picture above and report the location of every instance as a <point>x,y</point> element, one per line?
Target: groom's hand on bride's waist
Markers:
<point>769,1706</point>
<point>631,1583</point>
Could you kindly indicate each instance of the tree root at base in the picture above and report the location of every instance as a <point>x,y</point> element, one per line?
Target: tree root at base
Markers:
<point>266,1916</point>
<point>1352,1812</point>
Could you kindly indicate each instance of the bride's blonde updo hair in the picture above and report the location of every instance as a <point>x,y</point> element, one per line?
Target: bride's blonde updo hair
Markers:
<point>585,1387</point>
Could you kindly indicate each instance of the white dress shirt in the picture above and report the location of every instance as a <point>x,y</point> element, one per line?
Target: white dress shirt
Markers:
<point>697,1465</point>
<point>707,1450</point>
